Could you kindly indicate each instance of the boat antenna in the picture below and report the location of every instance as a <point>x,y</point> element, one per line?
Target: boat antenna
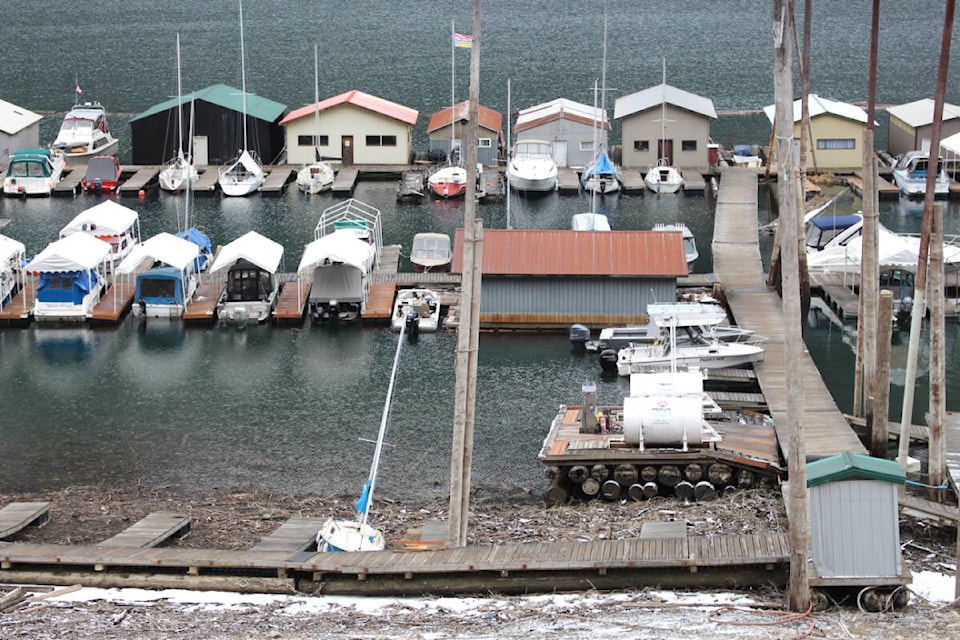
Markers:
<point>507,172</point>
<point>366,497</point>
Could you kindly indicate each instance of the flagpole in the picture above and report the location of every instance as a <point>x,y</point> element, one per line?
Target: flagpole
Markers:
<point>453,88</point>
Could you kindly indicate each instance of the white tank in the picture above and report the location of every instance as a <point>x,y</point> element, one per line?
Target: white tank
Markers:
<point>662,421</point>
<point>666,383</point>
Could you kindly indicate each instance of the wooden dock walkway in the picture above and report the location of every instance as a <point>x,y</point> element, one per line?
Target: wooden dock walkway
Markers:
<point>203,307</point>
<point>206,180</point>
<point>739,268</point>
<point>145,177</point>
<point>17,516</point>
<point>886,189</point>
<point>569,181</point>
<point>295,535</point>
<point>151,531</point>
<point>114,304</point>
<point>633,183</point>
<point>345,182</point>
<point>278,177</point>
<point>69,184</point>
<point>19,309</point>
<point>291,304</point>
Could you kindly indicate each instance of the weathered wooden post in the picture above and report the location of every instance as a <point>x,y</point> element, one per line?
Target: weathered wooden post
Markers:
<point>879,435</point>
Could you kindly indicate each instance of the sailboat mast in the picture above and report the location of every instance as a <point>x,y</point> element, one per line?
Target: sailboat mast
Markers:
<point>243,80</point>
<point>593,192</point>
<point>453,89</point>
<point>179,103</point>
<point>507,174</point>
<point>316,101</point>
<point>603,74</point>
<point>663,114</point>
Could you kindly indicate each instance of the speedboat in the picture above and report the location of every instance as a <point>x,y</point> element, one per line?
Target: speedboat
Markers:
<point>33,172</point>
<point>711,354</point>
<point>70,284</point>
<point>910,174</point>
<point>315,177</point>
<point>532,168</point>
<point>602,176</point>
<point>448,182</point>
<point>84,132</point>
<point>663,178</point>
<point>253,284</point>
<point>115,224</point>
<point>689,241</point>
<point>825,232</point>
<point>431,252</point>
<point>102,176</point>
<point>418,309</point>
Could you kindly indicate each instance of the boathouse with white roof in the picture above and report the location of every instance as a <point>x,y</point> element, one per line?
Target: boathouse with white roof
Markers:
<point>911,125</point>
<point>536,278</point>
<point>489,133</point>
<point>217,119</point>
<point>678,131</point>
<point>355,127</point>
<point>569,126</point>
<point>19,129</point>
<point>836,129</point>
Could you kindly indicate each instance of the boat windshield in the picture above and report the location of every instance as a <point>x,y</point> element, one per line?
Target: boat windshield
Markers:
<point>534,150</point>
<point>28,169</point>
<point>77,124</point>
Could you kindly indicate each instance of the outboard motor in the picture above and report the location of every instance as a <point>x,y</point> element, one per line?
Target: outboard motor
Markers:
<point>412,322</point>
<point>608,360</point>
<point>579,335</point>
<point>904,311</point>
<point>333,311</point>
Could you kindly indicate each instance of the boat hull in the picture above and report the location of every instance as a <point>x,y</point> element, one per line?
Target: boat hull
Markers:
<point>424,303</point>
<point>315,178</point>
<point>65,311</point>
<point>663,180</point>
<point>917,187</point>
<point>178,177</point>
<point>533,185</point>
<point>601,185</point>
<point>348,536</point>
<point>643,358</point>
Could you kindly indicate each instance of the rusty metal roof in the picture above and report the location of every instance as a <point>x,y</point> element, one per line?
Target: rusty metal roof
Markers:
<point>489,119</point>
<point>544,252</point>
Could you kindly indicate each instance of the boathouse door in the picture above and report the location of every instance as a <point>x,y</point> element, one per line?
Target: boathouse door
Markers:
<point>665,150</point>
<point>346,150</point>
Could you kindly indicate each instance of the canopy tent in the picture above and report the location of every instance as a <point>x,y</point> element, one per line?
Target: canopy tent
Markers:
<point>106,219</point>
<point>163,247</point>
<point>341,246</point>
<point>76,252</point>
<point>10,249</point>
<point>252,247</point>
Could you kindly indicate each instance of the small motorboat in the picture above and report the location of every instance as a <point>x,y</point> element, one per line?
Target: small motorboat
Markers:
<point>102,176</point>
<point>532,168</point>
<point>33,172</point>
<point>431,252</point>
<point>419,309</point>
<point>910,174</point>
<point>689,241</point>
<point>315,177</point>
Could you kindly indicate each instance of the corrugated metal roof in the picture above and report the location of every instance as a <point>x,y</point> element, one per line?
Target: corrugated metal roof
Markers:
<point>819,106</point>
<point>920,112</point>
<point>489,119</point>
<point>558,109</point>
<point>586,253</point>
<point>14,119</point>
<point>226,97</point>
<point>655,96</point>
<point>362,100</point>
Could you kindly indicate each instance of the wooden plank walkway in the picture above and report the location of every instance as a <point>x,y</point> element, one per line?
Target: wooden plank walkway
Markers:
<point>114,304</point>
<point>738,266</point>
<point>569,181</point>
<point>345,182</point>
<point>69,184</point>
<point>19,310</point>
<point>151,531</point>
<point>278,177</point>
<point>294,535</point>
<point>633,182</point>
<point>292,302</point>
<point>17,516</point>
<point>206,180</point>
<point>203,306</point>
<point>146,176</point>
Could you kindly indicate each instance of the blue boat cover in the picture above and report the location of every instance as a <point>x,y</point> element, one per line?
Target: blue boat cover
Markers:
<point>200,239</point>
<point>601,166</point>
<point>52,286</point>
<point>152,289</point>
<point>835,222</point>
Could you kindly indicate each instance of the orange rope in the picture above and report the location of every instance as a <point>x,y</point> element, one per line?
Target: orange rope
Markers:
<point>782,618</point>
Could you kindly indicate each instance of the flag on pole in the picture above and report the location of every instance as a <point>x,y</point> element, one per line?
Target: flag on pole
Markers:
<point>76,87</point>
<point>462,41</point>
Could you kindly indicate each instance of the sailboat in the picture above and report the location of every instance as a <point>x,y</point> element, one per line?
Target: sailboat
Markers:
<point>244,174</point>
<point>317,176</point>
<point>592,221</point>
<point>663,178</point>
<point>602,176</point>
<point>178,172</point>
<point>450,181</point>
<point>359,535</point>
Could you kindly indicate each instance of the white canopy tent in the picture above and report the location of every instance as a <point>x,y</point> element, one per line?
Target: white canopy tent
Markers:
<point>77,252</point>
<point>341,247</point>
<point>105,219</point>
<point>163,247</point>
<point>252,247</point>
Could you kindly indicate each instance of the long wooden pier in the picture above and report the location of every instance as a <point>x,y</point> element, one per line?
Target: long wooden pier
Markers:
<point>754,305</point>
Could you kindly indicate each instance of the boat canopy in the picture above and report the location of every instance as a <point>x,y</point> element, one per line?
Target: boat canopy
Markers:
<point>893,250</point>
<point>76,252</point>
<point>198,238</point>
<point>252,247</point>
<point>163,247</point>
<point>342,246</point>
<point>161,285</point>
<point>10,249</point>
<point>106,219</point>
<point>31,163</point>
<point>66,286</point>
<point>835,222</point>
<point>601,166</point>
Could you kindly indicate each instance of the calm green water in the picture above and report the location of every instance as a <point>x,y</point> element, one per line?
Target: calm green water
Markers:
<point>291,409</point>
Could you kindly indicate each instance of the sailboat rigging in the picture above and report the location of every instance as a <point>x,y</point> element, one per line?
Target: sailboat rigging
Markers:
<point>663,178</point>
<point>450,181</point>
<point>177,173</point>
<point>317,176</point>
<point>601,176</point>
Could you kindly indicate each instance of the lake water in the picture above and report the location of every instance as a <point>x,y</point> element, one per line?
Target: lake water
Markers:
<point>291,409</point>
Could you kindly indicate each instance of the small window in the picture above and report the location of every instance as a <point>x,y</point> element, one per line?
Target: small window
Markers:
<point>586,145</point>
<point>688,145</point>
<point>484,143</point>
<point>841,143</point>
<point>641,145</point>
<point>373,141</point>
<point>309,141</point>
<point>388,141</point>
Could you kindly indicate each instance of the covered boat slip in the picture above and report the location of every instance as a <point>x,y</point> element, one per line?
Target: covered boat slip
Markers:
<point>250,263</point>
<point>69,280</point>
<point>165,290</point>
<point>111,222</point>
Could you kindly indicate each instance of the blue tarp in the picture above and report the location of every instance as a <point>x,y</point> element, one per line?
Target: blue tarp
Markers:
<point>70,286</point>
<point>161,285</point>
<point>601,166</point>
<point>200,239</point>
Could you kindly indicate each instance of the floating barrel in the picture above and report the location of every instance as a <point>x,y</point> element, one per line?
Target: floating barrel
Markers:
<point>720,474</point>
<point>578,473</point>
<point>625,474</point>
<point>635,491</point>
<point>684,491</point>
<point>662,421</point>
<point>600,472</point>
<point>610,490</point>
<point>693,472</point>
<point>703,491</point>
<point>669,475</point>
<point>590,487</point>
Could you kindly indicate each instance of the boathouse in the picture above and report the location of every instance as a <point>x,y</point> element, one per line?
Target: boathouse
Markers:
<point>216,114</point>
<point>570,126</point>
<point>836,129</point>
<point>911,125</point>
<point>19,129</point>
<point>355,127</point>
<point>664,122</point>
<point>542,279</point>
<point>489,134</point>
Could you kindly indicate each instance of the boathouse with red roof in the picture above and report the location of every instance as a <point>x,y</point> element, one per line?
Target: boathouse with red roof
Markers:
<point>489,134</point>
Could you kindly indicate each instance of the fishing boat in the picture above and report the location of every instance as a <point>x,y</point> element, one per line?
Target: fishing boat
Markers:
<point>84,132</point>
<point>663,178</point>
<point>910,174</point>
<point>253,284</point>
<point>338,264</point>
<point>317,176</point>
<point>532,168</point>
<point>115,224</point>
<point>342,535</point>
<point>244,174</point>
<point>689,241</point>
<point>431,252</point>
<point>70,279</point>
<point>33,172</point>
<point>11,257</point>
<point>419,309</point>
<point>177,174</point>
<point>102,175</point>
<point>708,354</point>
<point>166,288</point>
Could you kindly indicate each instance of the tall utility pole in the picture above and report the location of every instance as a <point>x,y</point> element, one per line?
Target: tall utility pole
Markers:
<point>468,333</point>
<point>787,185</point>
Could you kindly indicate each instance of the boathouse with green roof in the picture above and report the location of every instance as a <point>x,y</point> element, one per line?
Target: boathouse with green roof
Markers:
<point>217,123</point>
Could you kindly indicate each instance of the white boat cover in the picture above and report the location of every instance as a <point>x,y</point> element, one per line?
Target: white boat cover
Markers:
<point>164,247</point>
<point>893,250</point>
<point>76,252</point>
<point>106,219</point>
<point>340,246</point>
<point>590,222</point>
<point>10,248</point>
<point>252,247</point>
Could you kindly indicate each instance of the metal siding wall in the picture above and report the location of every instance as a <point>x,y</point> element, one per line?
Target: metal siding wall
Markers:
<point>612,296</point>
<point>855,529</point>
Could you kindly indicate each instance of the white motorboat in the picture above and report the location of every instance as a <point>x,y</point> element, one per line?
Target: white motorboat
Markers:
<point>431,252</point>
<point>179,173</point>
<point>317,176</point>
<point>33,172</point>
<point>84,132</point>
<point>117,225</point>
<point>71,281</point>
<point>689,241</point>
<point>418,309</point>
<point>590,222</point>
<point>244,174</point>
<point>712,354</point>
<point>532,167</point>
<point>11,275</point>
<point>253,284</point>
<point>167,287</point>
<point>910,174</point>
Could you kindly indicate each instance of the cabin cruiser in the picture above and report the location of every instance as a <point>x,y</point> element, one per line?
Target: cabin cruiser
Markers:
<point>166,288</point>
<point>84,132</point>
<point>111,222</point>
<point>532,168</point>
<point>33,172</point>
<point>910,174</point>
